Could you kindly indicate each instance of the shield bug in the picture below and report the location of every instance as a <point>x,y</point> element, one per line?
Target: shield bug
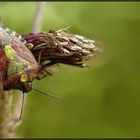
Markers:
<point>19,66</point>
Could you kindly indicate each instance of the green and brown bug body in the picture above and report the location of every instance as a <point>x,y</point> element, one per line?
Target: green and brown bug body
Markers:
<point>18,66</point>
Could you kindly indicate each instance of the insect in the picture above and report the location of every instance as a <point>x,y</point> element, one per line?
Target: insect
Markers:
<point>24,58</point>
<point>18,66</point>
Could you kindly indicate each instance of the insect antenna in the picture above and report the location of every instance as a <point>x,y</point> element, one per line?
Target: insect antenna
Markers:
<point>44,93</point>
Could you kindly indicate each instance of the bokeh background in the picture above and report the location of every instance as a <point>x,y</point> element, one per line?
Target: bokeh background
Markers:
<point>102,101</point>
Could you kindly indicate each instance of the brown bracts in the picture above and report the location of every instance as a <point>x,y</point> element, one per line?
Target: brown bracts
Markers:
<point>61,46</point>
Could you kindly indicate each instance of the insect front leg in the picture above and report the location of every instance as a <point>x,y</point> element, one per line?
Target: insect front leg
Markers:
<point>44,72</point>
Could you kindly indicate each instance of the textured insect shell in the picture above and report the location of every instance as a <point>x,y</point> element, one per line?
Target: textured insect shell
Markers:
<point>4,39</point>
<point>24,53</point>
<point>20,60</point>
<point>3,65</point>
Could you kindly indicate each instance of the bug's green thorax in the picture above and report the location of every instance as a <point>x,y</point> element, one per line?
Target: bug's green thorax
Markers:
<point>16,63</point>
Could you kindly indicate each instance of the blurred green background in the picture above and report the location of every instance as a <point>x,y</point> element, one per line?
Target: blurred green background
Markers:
<point>102,101</point>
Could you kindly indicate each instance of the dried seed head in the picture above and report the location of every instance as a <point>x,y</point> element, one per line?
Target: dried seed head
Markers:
<point>62,47</point>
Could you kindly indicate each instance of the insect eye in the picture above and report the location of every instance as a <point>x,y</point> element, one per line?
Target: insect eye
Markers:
<point>24,77</point>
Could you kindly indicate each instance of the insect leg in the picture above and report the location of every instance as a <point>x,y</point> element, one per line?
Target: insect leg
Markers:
<point>22,104</point>
<point>44,71</point>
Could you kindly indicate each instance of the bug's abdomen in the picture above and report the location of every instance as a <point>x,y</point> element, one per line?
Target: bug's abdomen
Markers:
<point>3,65</point>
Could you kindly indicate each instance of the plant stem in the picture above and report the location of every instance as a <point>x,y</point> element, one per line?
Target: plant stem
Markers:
<point>38,17</point>
<point>6,121</point>
<point>5,114</point>
<point>9,121</point>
